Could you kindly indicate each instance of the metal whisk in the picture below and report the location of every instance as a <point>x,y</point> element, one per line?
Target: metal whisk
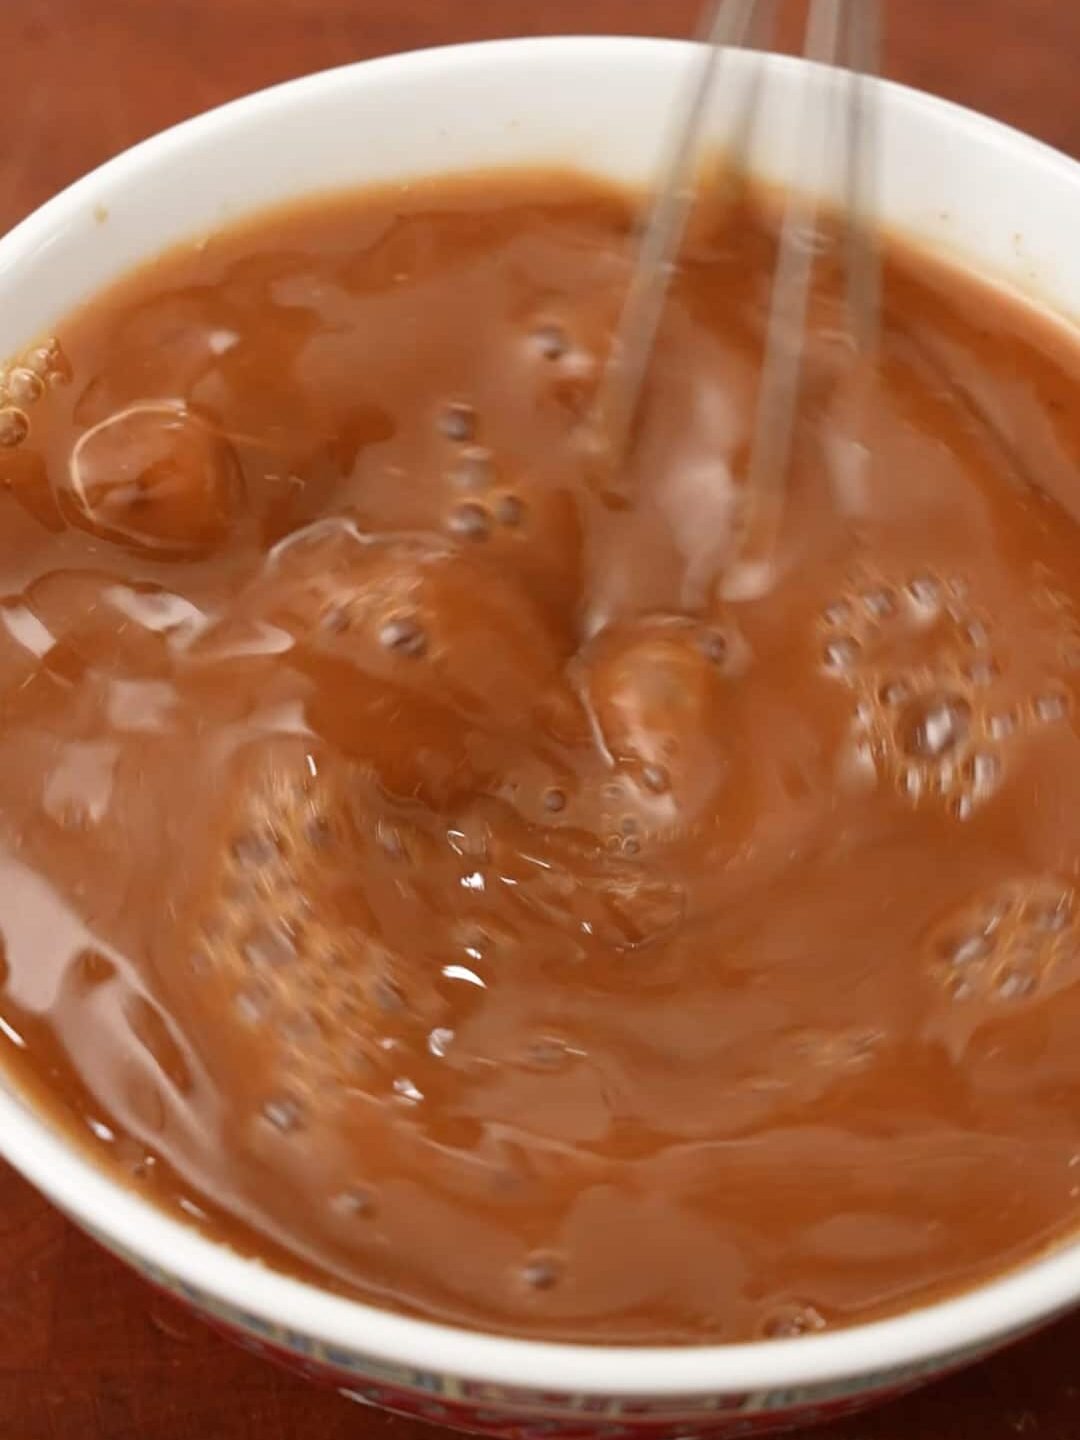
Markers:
<point>841,32</point>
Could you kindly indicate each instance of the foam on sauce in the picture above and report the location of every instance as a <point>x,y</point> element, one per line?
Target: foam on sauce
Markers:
<point>413,868</point>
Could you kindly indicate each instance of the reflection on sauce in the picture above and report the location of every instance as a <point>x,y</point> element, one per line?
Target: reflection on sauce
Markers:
<point>412,866</point>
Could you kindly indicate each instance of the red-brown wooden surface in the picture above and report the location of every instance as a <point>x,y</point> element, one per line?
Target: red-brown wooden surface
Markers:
<point>86,1352</point>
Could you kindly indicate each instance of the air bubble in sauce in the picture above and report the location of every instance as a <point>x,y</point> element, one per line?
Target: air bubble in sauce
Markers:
<point>154,476</point>
<point>14,427</point>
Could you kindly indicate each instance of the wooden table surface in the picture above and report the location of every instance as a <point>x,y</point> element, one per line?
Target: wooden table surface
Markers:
<point>86,1352</point>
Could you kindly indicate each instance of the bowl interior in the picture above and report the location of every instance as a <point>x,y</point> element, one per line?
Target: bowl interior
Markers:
<point>991,198</point>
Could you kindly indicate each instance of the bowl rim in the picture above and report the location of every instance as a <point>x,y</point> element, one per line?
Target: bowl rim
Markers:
<point>927,1337</point>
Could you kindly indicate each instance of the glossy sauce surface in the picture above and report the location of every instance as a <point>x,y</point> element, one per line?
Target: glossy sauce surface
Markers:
<point>418,872</point>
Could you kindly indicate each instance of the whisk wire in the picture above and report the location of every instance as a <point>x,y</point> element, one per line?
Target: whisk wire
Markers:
<point>843,32</point>
<point>728,24</point>
<point>863,272</point>
<point>828,35</point>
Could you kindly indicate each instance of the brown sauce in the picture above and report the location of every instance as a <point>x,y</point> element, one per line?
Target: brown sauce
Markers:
<point>415,871</point>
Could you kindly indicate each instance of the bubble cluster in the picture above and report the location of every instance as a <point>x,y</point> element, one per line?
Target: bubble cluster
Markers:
<point>294,960</point>
<point>1008,945</point>
<point>48,361</point>
<point>930,713</point>
<point>473,473</point>
<point>787,1322</point>
<point>473,520</point>
<point>22,385</point>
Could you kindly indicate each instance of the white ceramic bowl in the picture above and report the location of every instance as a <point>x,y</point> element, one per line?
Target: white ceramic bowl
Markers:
<point>994,199</point>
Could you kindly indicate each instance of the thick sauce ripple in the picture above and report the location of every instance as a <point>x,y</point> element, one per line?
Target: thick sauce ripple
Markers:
<point>414,869</point>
